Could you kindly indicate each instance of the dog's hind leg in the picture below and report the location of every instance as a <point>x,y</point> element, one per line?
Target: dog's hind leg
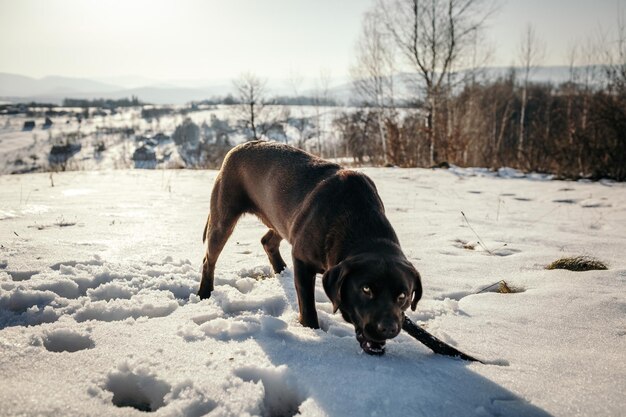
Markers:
<point>216,237</point>
<point>271,244</point>
<point>223,216</point>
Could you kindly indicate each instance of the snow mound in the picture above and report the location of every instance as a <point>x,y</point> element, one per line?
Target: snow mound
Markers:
<point>22,275</point>
<point>226,329</point>
<point>141,305</point>
<point>110,291</point>
<point>233,302</point>
<point>96,290</point>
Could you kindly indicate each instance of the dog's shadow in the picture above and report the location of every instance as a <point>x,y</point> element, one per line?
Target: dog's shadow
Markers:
<point>409,380</point>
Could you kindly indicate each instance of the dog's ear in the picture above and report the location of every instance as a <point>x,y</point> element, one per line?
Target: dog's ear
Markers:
<point>417,288</point>
<point>333,280</point>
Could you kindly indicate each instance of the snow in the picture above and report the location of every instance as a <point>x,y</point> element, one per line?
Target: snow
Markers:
<point>98,312</point>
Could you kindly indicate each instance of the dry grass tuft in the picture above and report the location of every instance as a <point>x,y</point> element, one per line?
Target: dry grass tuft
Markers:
<point>465,245</point>
<point>502,287</point>
<point>578,263</point>
<point>64,223</point>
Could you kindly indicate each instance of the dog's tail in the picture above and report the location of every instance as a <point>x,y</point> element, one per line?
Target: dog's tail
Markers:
<point>206,227</point>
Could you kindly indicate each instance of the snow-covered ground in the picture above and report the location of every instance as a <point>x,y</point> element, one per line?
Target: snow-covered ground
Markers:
<point>98,311</point>
<point>28,150</point>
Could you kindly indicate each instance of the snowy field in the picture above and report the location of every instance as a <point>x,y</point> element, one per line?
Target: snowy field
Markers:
<point>21,150</point>
<point>98,313</point>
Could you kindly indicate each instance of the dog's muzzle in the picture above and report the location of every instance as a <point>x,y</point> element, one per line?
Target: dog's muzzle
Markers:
<point>369,346</point>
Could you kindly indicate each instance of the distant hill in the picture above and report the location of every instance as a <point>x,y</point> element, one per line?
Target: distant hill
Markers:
<point>153,95</point>
<point>54,89</point>
<point>21,86</point>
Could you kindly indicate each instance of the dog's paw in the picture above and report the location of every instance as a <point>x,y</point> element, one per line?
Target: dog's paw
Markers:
<point>204,295</point>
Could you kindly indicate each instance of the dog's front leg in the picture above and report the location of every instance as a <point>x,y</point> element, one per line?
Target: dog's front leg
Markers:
<point>304,276</point>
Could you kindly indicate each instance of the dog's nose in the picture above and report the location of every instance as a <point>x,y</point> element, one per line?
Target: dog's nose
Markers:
<point>388,329</point>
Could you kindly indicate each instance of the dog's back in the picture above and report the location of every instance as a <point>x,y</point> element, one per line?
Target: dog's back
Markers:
<point>270,180</point>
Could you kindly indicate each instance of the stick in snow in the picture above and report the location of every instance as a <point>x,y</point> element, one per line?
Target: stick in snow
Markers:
<point>432,342</point>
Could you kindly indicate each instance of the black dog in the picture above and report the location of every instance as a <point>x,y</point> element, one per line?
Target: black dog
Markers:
<point>336,224</point>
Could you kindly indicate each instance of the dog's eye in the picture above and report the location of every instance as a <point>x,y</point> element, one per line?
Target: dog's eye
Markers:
<point>367,290</point>
<point>402,298</point>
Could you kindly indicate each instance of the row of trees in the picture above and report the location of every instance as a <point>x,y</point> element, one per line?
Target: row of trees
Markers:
<point>574,129</point>
<point>568,131</point>
<point>458,112</point>
<point>103,103</point>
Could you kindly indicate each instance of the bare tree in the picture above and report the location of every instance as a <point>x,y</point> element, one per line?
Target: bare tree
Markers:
<point>432,35</point>
<point>617,54</point>
<point>462,122</point>
<point>295,80</point>
<point>321,98</point>
<point>531,53</point>
<point>573,56</point>
<point>372,74</point>
<point>251,94</point>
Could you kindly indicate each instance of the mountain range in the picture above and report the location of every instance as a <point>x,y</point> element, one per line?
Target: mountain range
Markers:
<point>53,89</point>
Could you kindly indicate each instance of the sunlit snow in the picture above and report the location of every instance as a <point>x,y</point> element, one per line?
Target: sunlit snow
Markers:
<point>98,312</point>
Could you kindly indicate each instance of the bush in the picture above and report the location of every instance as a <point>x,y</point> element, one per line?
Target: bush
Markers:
<point>578,263</point>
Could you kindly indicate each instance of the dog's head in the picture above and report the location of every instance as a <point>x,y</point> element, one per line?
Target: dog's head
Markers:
<point>372,292</point>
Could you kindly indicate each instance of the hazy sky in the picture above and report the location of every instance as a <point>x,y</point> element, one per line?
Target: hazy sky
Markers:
<point>209,39</point>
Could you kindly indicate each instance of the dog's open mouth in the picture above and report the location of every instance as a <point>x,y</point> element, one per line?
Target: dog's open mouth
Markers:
<point>369,346</point>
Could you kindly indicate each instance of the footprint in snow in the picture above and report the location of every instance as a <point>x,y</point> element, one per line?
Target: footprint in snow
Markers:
<point>92,262</point>
<point>282,393</point>
<point>225,329</point>
<point>67,340</point>
<point>234,301</point>
<point>505,251</point>
<point>22,275</point>
<point>141,391</point>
